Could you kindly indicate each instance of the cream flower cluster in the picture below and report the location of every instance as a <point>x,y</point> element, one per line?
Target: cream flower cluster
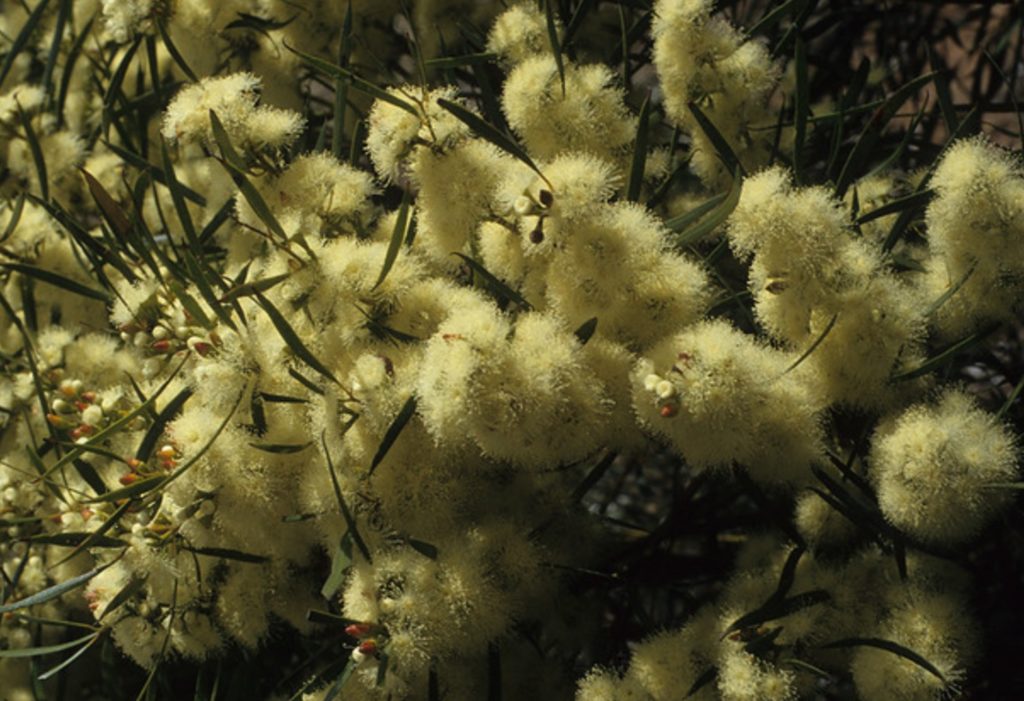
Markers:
<point>375,381</point>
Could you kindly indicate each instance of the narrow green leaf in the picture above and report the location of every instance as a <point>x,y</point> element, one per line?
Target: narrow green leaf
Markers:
<point>703,680</point>
<point>943,356</point>
<point>801,109</point>
<point>12,223</point>
<point>594,476</point>
<point>915,199</point>
<point>87,472</point>
<point>63,12</point>
<point>292,339</point>
<point>339,683</point>
<point>498,289</point>
<point>116,218</point>
<point>424,548</point>
<point>21,41</point>
<point>449,62</point>
<point>345,513</point>
<point>636,171</point>
<point>154,172</point>
<point>866,143</point>
<point>195,311</point>
<point>227,149</point>
<point>173,51</point>
<point>360,84</point>
<point>52,593</point>
<point>779,609</point>
<point>308,384</point>
<point>262,25</point>
<point>942,89</point>
<point>46,649</point>
<point>889,646</point>
<point>341,87</point>
<point>817,342</point>
<point>71,540</point>
<point>341,560</point>
<point>78,653</point>
<point>586,330</point>
<point>114,87</point>
<point>680,222</point>
<point>490,133</point>
<point>719,142</point>
<point>581,12</point>
<point>774,16</point>
<point>251,288</point>
<point>37,153</point>
<point>228,554</point>
<point>68,68</point>
<point>716,218</point>
<point>124,594</point>
<point>397,236</point>
<point>57,280</point>
<point>178,197</point>
<point>391,435</point>
<point>281,448</point>
<point>157,428</point>
<point>556,47</point>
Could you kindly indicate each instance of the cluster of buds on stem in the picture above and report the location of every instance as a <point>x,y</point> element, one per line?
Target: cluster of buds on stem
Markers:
<point>368,637</point>
<point>78,411</point>
<point>666,392</point>
<point>526,205</point>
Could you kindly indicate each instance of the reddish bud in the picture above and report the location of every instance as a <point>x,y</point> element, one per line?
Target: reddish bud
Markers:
<point>668,411</point>
<point>128,478</point>
<point>368,647</point>
<point>161,346</point>
<point>83,430</point>
<point>358,630</point>
<point>89,397</point>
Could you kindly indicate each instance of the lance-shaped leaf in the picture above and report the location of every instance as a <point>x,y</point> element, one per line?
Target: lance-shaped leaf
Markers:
<point>360,84</point>
<point>719,142</point>
<point>490,133</point>
<point>502,292</point>
<point>70,540</point>
<point>53,592</point>
<point>553,42</point>
<point>173,51</point>
<point>391,435</point>
<point>817,342</point>
<point>716,217</point>
<point>52,278</point>
<point>154,172</point>
<point>37,152</point>
<point>636,171</point>
<point>397,236</point>
<point>779,609</point>
<point>915,199</point>
<point>345,512</point>
<point>586,330</point>
<point>292,339</point>
<point>228,554</point>
<point>157,428</point>
<point>22,39</point>
<point>889,646</point>
<point>46,649</point>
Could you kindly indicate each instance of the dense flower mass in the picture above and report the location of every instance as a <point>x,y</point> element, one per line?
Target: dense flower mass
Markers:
<point>323,322</point>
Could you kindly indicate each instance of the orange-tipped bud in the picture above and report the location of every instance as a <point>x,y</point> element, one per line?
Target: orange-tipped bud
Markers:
<point>368,647</point>
<point>161,346</point>
<point>668,411</point>
<point>358,630</point>
<point>128,478</point>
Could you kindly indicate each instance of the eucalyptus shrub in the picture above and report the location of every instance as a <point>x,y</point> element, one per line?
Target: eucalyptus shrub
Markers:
<point>329,326</point>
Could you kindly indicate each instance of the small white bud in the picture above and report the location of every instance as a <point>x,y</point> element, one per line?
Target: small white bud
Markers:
<point>93,415</point>
<point>160,333</point>
<point>142,339</point>
<point>651,381</point>
<point>665,389</point>
<point>61,407</point>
